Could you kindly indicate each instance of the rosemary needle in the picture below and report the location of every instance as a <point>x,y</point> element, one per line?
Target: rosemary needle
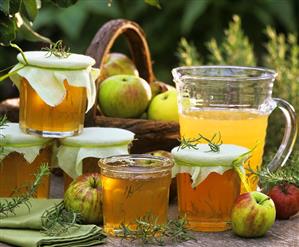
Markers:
<point>149,231</point>
<point>57,49</point>
<point>214,143</point>
<point>9,206</point>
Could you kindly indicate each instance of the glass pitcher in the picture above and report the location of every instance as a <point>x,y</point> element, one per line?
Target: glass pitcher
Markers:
<point>235,101</point>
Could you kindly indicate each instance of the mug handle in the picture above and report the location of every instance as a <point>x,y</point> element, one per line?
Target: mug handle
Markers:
<point>289,137</point>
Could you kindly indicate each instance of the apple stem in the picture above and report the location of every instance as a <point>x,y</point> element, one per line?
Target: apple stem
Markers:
<point>262,201</point>
<point>94,184</point>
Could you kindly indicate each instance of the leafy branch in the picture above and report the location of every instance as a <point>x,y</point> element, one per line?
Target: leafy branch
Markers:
<point>9,206</point>
<point>234,49</point>
<point>148,231</point>
<point>188,54</point>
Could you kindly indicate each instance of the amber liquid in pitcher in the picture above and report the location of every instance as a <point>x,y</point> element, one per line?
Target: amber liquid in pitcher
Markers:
<point>16,173</point>
<point>244,128</point>
<point>65,119</point>
<point>128,199</point>
<point>208,206</point>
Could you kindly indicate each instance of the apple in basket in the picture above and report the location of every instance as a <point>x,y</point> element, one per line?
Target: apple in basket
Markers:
<point>117,64</point>
<point>124,96</point>
<point>164,107</point>
<point>253,214</point>
<point>84,197</point>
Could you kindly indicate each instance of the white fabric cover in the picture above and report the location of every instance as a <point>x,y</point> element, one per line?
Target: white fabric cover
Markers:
<point>94,142</point>
<point>46,75</point>
<point>201,162</point>
<point>12,139</point>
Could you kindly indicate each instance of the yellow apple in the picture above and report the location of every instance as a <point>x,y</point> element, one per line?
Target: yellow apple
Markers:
<point>164,107</point>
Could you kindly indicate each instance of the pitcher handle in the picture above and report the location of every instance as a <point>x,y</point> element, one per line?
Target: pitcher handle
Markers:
<point>289,137</point>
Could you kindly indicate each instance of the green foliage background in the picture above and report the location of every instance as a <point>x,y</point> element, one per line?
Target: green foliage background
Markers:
<point>198,20</point>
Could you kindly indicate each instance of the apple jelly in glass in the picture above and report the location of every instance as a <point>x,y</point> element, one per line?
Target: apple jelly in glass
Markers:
<point>65,119</point>
<point>134,186</point>
<point>20,159</point>
<point>208,185</point>
<point>80,154</point>
<point>55,91</point>
<point>208,206</point>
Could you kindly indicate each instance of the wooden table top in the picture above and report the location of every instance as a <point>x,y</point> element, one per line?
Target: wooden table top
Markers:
<point>282,234</point>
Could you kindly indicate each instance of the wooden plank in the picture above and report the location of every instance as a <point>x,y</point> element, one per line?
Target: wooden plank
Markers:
<point>282,234</point>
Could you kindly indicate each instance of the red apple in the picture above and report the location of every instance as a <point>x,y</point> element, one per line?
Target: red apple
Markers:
<point>286,200</point>
<point>253,214</point>
<point>84,196</point>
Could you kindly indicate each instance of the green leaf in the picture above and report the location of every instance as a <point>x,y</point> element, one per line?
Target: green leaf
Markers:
<point>285,12</point>
<point>155,3</point>
<point>193,10</point>
<point>4,6</point>
<point>8,29</point>
<point>31,7</point>
<point>14,6</point>
<point>26,31</point>
<point>64,3</point>
<point>10,7</point>
<point>73,17</point>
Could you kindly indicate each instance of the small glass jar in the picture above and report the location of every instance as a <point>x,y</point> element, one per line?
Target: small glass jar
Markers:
<point>20,158</point>
<point>208,184</point>
<point>53,92</point>
<point>80,154</point>
<point>134,186</point>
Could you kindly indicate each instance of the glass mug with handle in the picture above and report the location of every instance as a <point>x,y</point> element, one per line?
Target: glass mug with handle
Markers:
<point>235,101</point>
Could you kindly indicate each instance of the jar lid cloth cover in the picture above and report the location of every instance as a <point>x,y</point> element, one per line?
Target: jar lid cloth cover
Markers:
<point>94,142</point>
<point>12,139</point>
<point>46,75</point>
<point>200,162</point>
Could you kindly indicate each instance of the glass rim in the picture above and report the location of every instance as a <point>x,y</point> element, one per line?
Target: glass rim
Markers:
<point>269,73</point>
<point>162,164</point>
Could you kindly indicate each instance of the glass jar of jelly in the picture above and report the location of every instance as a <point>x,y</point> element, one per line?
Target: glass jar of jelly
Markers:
<point>20,158</point>
<point>53,92</point>
<point>208,183</point>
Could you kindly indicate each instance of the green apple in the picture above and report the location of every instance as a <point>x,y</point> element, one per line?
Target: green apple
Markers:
<point>118,64</point>
<point>84,196</point>
<point>125,96</point>
<point>164,107</point>
<point>253,214</point>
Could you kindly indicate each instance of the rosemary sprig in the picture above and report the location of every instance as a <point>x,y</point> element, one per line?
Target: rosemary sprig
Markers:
<point>8,206</point>
<point>57,220</point>
<point>57,49</point>
<point>214,143</point>
<point>148,231</point>
<point>3,121</point>
<point>286,174</point>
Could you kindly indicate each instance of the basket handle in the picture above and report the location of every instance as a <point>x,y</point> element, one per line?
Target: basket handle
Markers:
<point>102,43</point>
<point>106,36</point>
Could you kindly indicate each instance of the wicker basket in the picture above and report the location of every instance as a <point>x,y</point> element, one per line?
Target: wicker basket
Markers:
<point>150,135</point>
